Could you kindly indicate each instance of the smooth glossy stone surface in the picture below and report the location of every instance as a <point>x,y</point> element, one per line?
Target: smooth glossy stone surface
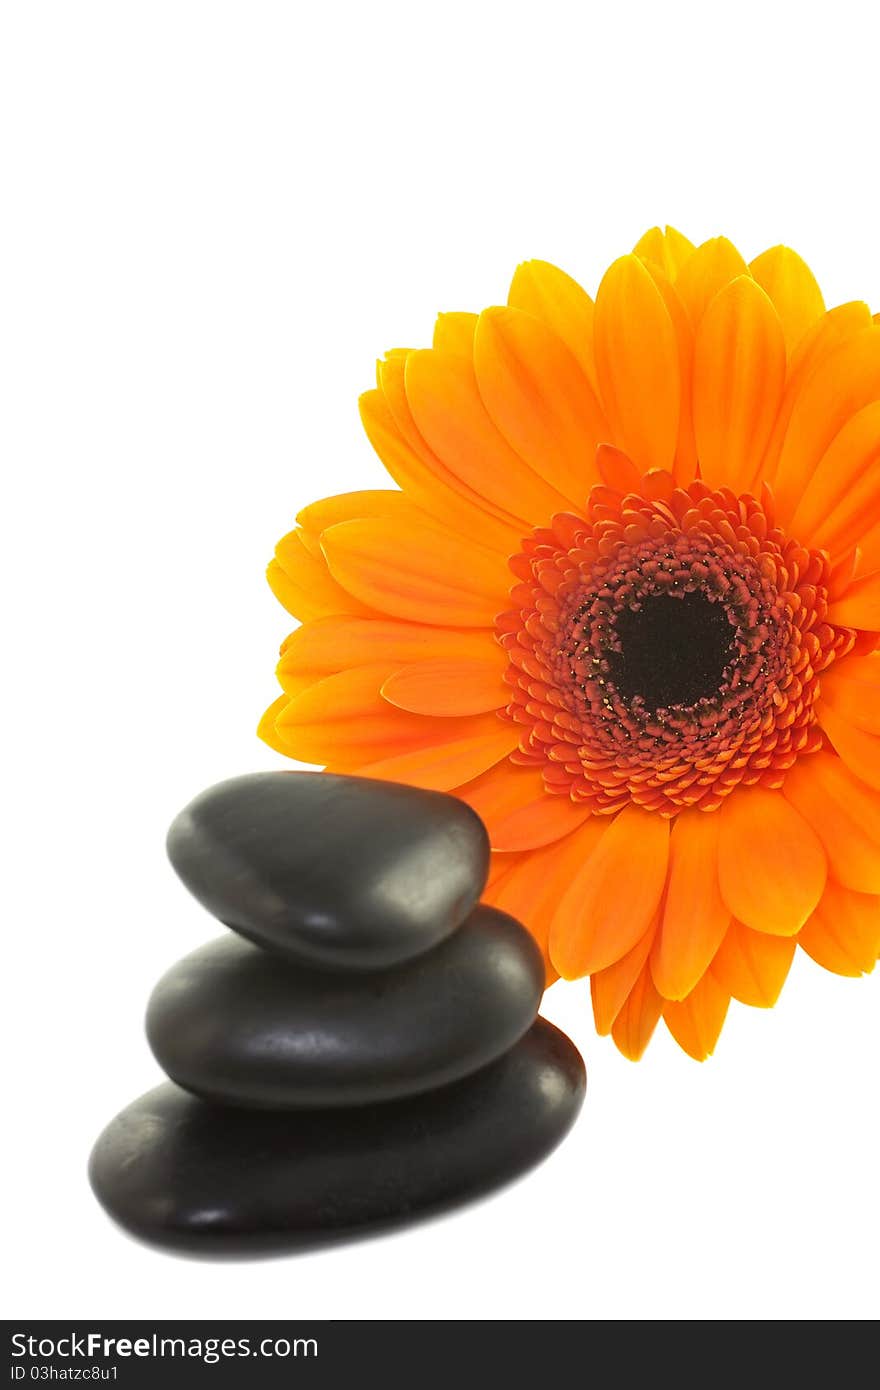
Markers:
<point>343,872</point>
<point>178,1171</point>
<point>237,1025</point>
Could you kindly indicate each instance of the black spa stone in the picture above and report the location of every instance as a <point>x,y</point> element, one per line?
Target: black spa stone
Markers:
<point>342,872</point>
<point>180,1172</point>
<point>236,1025</point>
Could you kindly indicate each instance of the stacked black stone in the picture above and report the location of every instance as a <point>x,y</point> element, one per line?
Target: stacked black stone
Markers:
<point>363,1050</point>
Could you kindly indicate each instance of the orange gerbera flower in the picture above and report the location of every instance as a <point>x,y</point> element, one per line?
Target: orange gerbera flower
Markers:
<point>625,603</point>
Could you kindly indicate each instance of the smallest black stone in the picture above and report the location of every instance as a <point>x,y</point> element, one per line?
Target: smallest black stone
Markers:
<point>338,872</point>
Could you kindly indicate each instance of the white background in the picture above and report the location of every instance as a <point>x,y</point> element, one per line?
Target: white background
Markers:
<point>215,216</point>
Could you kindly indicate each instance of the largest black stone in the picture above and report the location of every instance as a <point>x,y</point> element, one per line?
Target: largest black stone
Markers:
<point>181,1172</point>
<point>239,1026</point>
<point>342,872</point>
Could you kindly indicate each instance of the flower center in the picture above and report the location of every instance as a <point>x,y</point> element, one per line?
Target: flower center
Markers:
<point>671,650</point>
<point>666,648</point>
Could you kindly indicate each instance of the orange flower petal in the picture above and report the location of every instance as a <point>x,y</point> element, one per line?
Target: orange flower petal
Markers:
<point>739,374</point>
<point>546,820</point>
<point>685,466</point>
<point>311,542</point>
<point>842,572</point>
<point>825,336</point>
<point>791,287</point>
<point>520,891</point>
<point>302,583</point>
<point>417,571</point>
<point>455,333</point>
<point>352,506</point>
<point>845,488</point>
<point>616,469</point>
<point>844,931</point>
<point>667,249</point>
<point>501,790</point>
<point>343,718</point>
<point>820,941</point>
<point>294,683</point>
<point>752,966</point>
<point>538,396</point>
<point>843,935</point>
<point>529,888</point>
<point>637,364</point>
<point>845,381</point>
<point>852,688</point>
<point>287,593</point>
<point>771,863</point>
<point>696,1021</point>
<point>266,728</point>
<point>706,271</point>
<point>844,813</point>
<point>429,484</point>
<point>325,645</point>
<point>458,751</point>
<point>450,686</point>
<point>634,1025</point>
<point>499,866</point>
<point>610,988</point>
<point>517,810</point>
<point>860,605</point>
<point>343,721</point>
<point>868,554</point>
<point>695,917</point>
<point>442,393</point>
<point>548,294</point>
<point>391,378</point>
<point>859,750</point>
<point>611,900</point>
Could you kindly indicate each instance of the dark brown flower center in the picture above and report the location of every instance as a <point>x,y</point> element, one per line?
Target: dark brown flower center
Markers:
<point>664,649</point>
<point>672,650</point>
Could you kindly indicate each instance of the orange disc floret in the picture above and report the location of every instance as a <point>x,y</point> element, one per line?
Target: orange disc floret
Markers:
<point>665,648</point>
